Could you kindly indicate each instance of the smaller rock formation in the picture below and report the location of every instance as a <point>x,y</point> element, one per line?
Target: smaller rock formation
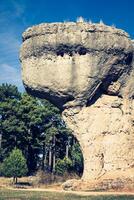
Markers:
<point>87,71</point>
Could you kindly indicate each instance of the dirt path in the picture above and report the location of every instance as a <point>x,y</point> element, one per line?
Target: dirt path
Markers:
<point>82,193</point>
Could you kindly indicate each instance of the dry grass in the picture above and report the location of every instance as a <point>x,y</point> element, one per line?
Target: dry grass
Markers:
<point>24,182</point>
<point>41,180</point>
<point>48,178</point>
<point>49,192</point>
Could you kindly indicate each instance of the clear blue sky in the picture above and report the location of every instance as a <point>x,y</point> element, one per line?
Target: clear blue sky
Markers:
<point>17,15</point>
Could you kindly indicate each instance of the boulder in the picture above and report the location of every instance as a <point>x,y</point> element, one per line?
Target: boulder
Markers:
<point>87,71</point>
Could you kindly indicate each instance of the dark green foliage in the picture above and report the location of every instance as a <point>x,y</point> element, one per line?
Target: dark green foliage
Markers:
<point>14,165</point>
<point>9,91</point>
<point>63,165</point>
<point>77,158</point>
<point>36,128</point>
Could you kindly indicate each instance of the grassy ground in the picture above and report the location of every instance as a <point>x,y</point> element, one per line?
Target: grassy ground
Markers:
<point>50,192</point>
<point>41,195</point>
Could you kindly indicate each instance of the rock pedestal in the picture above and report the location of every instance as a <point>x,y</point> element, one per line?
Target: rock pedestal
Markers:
<point>87,71</point>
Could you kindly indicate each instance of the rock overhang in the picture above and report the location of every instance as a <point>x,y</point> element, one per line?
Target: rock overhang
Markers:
<point>90,66</point>
<point>68,62</point>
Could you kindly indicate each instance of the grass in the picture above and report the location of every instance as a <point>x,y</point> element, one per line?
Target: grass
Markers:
<point>41,195</point>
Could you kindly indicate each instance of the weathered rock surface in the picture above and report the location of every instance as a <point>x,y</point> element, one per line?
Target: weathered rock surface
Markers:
<point>87,71</point>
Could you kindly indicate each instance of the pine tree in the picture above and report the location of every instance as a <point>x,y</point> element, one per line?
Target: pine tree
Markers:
<point>36,128</point>
<point>15,165</point>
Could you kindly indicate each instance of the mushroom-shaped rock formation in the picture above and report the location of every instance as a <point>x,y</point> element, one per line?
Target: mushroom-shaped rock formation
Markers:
<point>87,71</point>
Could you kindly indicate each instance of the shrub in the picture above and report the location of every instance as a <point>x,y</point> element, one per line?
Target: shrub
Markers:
<point>14,165</point>
<point>63,165</point>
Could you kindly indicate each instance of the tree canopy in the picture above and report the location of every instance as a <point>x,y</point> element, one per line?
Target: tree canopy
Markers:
<point>36,128</point>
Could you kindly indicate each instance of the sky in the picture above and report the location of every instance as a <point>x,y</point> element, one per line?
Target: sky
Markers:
<point>17,15</point>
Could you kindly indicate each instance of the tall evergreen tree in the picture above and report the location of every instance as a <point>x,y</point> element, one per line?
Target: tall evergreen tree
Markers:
<point>14,165</point>
<point>35,126</point>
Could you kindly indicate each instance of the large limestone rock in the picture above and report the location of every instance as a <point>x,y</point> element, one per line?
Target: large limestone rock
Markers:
<point>87,71</point>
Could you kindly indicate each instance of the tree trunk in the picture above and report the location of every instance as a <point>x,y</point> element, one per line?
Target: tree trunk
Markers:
<point>13,180</point>
<point>43,158</point>
<point>16,180</point>
<point>54,159</point>
<point>50,159</point>
<point>67,149</point>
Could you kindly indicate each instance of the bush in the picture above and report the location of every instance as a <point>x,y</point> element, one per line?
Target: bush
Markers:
<point>43,177</point>
<point>63,165</point>
<point>15,165</point>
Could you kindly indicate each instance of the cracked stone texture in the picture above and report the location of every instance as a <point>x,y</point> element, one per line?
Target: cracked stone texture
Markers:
<point>87,71</point>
